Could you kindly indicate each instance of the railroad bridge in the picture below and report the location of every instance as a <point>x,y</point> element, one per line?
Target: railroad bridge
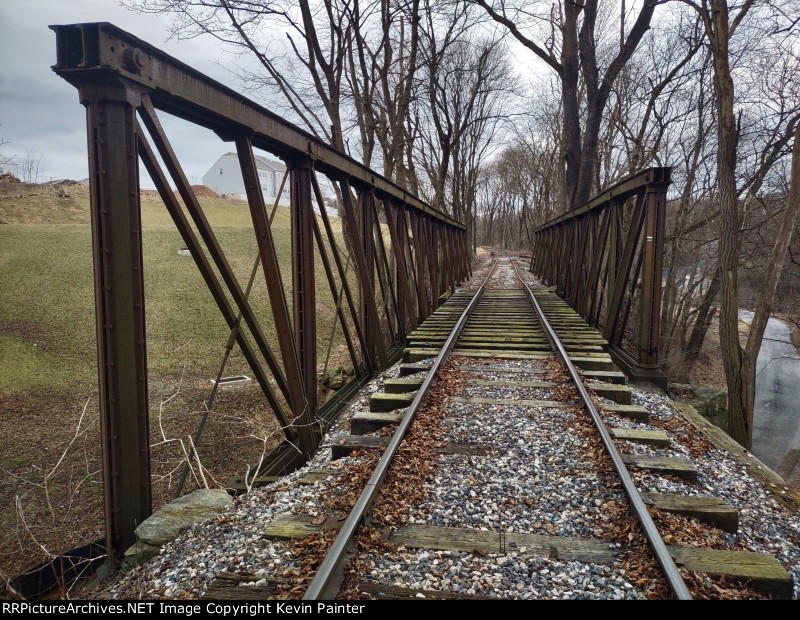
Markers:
<point>584,311</point>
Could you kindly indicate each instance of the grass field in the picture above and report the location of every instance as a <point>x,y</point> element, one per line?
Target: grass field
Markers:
<point>47,306</point>
<point>48,372</point>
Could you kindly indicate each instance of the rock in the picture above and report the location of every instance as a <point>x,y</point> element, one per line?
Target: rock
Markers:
<point>337,379</point>
<point>139,553</point>
<point>710,402</point>
<point>344,370</point>
<point>165,524</point>
<point>337,382</point>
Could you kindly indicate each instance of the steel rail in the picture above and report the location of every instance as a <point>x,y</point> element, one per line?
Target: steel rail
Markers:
<point>663,556</point>
<point>327,579</point>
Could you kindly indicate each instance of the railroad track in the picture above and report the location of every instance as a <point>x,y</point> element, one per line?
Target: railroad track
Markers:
<point>328,578</point>
<point>524,353</point>
<point>524,331</point>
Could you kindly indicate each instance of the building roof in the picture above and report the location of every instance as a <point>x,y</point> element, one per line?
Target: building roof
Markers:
<point>263,162</point>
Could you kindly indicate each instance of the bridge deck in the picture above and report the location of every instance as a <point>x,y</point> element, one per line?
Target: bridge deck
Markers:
<point>501,488</point>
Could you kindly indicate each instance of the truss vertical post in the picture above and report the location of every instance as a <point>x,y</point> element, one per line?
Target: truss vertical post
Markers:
<point>655,211</point>
<point>277,294</point>
<point>394,320</point>
<point>614,239</point>
<point>120,310</point>
<point>419,262</point>
<point>395,219</point>
<point>593,283</point>
<point>433,243</point>
<point>612,331</point>
<point>370,315</point>
<point>304,298</point>
<point>367,288</point>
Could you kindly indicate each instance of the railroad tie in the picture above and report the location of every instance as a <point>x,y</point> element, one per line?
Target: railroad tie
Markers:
<point>654,438</point>
<point>761,570</point>
<point>345,446</point>
<point>620,394</point>
<point>412,369</point>
<point>634,412</point>
<point>363,423</point>
<point>381,401</point>
<point>707,509</point>
<point>402,385</point>
<point>566,548</point>
<point>673,466</point>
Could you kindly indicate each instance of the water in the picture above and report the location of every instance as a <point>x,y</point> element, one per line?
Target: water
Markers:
<point>776,419</point>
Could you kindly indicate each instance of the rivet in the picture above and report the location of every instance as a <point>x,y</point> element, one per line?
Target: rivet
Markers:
<point>134,60</point>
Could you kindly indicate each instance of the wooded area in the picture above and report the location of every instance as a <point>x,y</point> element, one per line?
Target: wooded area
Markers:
<point>506,113</point>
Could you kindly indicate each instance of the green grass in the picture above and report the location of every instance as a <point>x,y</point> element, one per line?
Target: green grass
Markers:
<point>47,327</point>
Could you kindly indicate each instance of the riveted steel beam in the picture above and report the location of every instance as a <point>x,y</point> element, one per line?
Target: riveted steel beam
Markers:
<point>117,75</point>
<point>120,309</point>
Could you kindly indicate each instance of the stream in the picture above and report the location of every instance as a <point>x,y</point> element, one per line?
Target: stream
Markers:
<point>776,420</point>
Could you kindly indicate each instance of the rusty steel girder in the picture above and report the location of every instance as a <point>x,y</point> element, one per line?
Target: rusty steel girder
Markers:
<point>605,259</point>
<point>399,276</point>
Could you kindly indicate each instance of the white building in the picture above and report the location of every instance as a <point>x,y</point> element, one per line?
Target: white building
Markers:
<point>8,166</point>
<point>225,178</point>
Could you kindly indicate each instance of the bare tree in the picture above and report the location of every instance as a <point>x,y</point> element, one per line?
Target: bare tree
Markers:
<point>519,189</point>
<point>469,86</point>
<point>566,40</point>
<point>300,50</point>
<point>382,60</point>
<point>32,167</point>
<point>720,26</point>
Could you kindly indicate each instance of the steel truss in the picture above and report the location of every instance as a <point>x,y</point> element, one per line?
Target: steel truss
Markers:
<point>605,259</point>
<point>398,282</point>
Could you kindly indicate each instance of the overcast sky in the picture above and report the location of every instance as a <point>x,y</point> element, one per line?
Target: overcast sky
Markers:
<point>40,112</point>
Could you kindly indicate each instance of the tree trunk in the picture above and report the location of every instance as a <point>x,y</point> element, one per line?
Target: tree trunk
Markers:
<point>589,162</point>
<point>699,330</point>
<point>571,126</point>
<point>739,407</point>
